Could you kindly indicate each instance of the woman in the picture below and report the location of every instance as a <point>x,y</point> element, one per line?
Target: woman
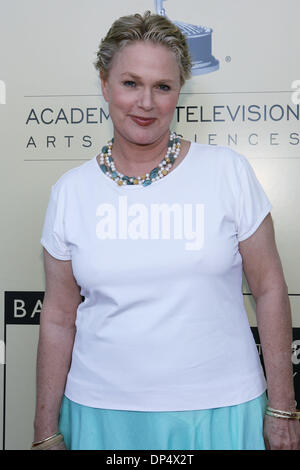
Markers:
<point>162,353</point>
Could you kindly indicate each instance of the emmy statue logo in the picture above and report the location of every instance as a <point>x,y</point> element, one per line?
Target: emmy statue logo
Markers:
<point>199,39</point>
<point>2,92</point>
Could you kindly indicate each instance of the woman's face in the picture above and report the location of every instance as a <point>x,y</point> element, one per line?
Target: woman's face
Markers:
<point>142,90</point>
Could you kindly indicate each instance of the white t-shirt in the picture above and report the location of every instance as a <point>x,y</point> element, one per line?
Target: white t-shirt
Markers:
<point>163,325</point>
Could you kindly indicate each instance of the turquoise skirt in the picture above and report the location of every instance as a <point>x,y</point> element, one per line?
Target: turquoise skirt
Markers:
<point>238,427</point>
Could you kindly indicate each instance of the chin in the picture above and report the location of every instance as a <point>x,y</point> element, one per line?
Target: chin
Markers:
<point>146,140</point>
<point>146,136</point>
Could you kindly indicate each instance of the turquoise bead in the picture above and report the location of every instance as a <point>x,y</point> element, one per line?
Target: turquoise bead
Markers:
<point>146,182</point>
<point>103,168</point>
<point>114,174</point>
<point>105,149</point>
<point>154,172</point>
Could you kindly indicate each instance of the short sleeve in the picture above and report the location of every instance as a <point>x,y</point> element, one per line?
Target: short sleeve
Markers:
<point>53,238</point>
<point>254,204</point>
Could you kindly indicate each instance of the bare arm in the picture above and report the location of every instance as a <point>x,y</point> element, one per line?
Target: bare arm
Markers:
<point>263,270</point>
<point>57,330</point>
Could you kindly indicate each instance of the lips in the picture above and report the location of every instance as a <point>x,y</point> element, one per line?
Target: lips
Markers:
<point>142,121</point>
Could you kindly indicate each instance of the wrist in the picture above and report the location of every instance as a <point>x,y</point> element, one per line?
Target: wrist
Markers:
<point>282,404</point>
<point>281,400</point>
<point>283,408</point>
<point>282,414</point>
<point>49,442</point>
<point>42,431</point>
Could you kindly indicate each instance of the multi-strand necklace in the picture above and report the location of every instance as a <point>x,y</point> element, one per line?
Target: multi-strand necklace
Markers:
<point>107,165</point>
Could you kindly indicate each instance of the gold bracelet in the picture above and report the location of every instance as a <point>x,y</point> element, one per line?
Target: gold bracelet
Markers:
<point>282,414</point>
<point>48,442</point>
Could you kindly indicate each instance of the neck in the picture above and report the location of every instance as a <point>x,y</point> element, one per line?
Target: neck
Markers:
<point>134,159</point>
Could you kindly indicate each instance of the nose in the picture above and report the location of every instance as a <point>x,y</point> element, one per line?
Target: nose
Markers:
<point>146,99</point>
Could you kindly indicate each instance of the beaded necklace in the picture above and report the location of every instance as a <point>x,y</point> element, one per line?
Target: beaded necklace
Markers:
<point>107,165</point>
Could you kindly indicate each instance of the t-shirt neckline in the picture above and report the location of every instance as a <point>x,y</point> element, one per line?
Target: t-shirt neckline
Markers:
<point>135,187</point>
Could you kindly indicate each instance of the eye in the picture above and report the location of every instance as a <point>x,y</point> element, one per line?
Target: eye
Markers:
<point>164,87</point>
<point>129,83</point>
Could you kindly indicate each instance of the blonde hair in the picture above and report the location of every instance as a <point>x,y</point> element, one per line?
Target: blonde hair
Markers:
<point>149,27</point>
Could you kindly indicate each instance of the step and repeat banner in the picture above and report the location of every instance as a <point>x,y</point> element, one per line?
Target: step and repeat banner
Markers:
<point>244,93</point>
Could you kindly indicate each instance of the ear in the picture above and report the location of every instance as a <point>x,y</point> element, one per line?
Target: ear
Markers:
<point>104,86</point>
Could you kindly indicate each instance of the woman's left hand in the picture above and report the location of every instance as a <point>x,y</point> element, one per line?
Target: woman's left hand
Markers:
<point>281,434</point>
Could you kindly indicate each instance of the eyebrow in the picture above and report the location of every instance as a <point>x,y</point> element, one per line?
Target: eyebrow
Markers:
<point>136,77</point>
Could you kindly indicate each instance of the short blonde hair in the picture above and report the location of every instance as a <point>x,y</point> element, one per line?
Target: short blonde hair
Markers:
<point>149,27</point>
